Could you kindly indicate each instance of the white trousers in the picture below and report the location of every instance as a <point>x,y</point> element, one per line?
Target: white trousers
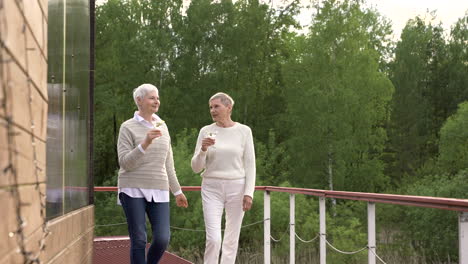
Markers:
<point>218,195</point>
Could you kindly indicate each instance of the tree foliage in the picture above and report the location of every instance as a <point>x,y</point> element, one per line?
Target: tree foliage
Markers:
<point>337,100</point>
<point>453,146</point>
<point>341,107</point>
<point>429,84</point>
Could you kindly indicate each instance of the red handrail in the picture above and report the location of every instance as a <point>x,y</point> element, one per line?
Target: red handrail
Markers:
<point>452,204</point>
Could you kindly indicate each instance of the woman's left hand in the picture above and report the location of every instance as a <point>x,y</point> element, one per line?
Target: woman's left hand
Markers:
<point>181,200</point>
<point>247,203</point>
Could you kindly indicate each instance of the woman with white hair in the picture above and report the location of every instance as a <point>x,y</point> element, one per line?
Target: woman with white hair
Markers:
<point>225,153</point>
<point>146,175</point>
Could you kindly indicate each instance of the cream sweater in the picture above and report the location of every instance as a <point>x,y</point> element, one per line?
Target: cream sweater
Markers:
<point>231,157</point>
<point>153,169</point>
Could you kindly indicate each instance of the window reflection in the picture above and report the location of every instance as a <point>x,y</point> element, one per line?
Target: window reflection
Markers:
<point>67,125</point>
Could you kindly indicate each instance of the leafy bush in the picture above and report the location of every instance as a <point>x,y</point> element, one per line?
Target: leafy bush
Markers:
<point>431,232</point>
<point>453,145</point>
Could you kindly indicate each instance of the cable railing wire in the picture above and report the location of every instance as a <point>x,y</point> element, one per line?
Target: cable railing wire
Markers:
<point>183,228</point>
<point>306,241</point>
<point>116,224</point>
<point>254,223</point>
<point>377,256</point>
<point>187,229</point>
<point>273,239</point>
<point>345,252</point>
<point>244,226</point>
<point>355,252</point>
<point>281,237</point>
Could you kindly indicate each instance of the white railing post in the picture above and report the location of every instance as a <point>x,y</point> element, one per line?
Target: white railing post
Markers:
<point>371,233</point>
<point>266,228</point>
<point>463,237</point>
<point>323,235</point>
<point>292,230</point>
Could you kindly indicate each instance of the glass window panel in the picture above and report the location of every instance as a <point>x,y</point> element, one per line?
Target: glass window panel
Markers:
<point>68,89</point>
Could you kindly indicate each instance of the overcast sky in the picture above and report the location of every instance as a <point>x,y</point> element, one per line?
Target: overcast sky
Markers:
<point>400,11</point>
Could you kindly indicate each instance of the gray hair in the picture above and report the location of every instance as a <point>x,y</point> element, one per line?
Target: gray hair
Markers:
<point>142,90</point>
<point>225,99</point>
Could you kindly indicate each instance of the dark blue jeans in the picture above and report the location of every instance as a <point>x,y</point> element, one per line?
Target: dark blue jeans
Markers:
<point>158,215</point>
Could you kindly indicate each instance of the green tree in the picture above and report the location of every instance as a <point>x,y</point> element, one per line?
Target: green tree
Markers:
<point>419,107</point>
<point>237,48</point>
<point>134,45</point>
<point>337,100</point>
<point>116,30</point>
<point>457,67</point>
<point>453,145</point>
<point>438,239</point>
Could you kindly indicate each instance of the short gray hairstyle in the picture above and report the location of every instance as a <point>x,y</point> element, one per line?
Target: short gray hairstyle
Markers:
<point>142,90</point>
<point>225,99</point>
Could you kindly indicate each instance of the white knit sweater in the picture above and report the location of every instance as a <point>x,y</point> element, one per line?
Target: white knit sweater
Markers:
<point>232,157</point>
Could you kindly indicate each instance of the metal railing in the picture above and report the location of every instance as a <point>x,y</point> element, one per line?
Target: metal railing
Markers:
<point>459,205</point>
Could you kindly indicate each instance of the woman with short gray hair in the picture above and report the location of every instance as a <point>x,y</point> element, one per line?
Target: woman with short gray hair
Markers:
<point>225,153</point>
<point>146,175</point>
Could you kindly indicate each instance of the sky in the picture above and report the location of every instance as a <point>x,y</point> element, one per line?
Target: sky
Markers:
<point>400,11</point>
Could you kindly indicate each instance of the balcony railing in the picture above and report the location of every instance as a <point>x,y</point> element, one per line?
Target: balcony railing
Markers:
<point>458,205</point>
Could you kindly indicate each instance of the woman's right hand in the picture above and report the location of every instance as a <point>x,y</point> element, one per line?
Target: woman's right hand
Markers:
<point>150,135</point>
<point>181,201</point>
<point>206,142</point>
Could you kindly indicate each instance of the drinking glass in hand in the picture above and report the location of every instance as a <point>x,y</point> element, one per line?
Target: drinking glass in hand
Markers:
<point>157,124</point>
<point>212,135</point>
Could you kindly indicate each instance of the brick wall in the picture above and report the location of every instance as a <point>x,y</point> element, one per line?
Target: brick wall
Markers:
<point>23,133</point>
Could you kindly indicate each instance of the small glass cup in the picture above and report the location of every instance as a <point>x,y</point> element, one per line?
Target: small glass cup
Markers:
<point>212,134</point>
<point>157,124</point>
